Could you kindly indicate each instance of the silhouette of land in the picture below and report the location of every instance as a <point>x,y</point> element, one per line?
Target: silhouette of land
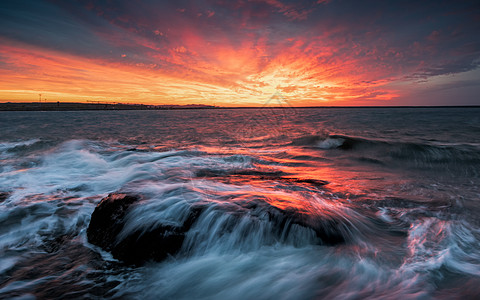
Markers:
<point>78,106</point>
<point>73,106</point>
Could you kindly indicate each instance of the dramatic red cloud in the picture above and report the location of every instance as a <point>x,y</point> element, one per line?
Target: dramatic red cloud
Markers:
<point>227,53</point>
<point>199,72</point>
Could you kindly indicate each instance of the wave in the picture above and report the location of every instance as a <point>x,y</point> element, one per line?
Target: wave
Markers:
<point>262,223</point>
<point>10,149</point>
<point>400,152</point>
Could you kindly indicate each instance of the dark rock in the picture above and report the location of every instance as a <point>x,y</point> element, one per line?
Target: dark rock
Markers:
<point>139,246</point>
<point>108,219</point>
<point>3,196</point>
<point>54,244</point>
<point>136,150</point>
<point>156,244</point>
<point>85,278</point>
<point>328,230</point>
<point>259,175</point>
<point>144,244</point>
<point>315,182</point>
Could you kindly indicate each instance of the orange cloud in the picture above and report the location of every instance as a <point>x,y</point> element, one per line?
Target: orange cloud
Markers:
<point>198,73</point>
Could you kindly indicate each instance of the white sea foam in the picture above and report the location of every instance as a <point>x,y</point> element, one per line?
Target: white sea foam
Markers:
<point>330,143</point>
<point>228,253</point>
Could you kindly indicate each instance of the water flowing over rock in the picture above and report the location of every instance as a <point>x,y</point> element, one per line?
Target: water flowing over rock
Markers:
<point>138,246</point>
<point>144,243</point>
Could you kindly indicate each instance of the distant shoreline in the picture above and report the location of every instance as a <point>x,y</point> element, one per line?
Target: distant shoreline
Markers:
<point>78,106</point>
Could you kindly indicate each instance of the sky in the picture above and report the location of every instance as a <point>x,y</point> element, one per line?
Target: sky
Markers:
<point>241,53</point>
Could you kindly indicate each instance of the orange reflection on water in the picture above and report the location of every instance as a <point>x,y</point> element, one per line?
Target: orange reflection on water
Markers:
<point>301,179</point>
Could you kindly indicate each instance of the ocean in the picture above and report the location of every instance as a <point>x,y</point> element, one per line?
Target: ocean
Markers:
<point>290,203</point>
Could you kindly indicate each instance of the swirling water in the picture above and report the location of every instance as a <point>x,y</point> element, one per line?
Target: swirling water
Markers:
<point>401,185</point>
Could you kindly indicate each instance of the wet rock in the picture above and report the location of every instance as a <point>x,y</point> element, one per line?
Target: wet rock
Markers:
<point>158,244</point>
<point>143,244</point>
<point>107,220</point>
<point>155,244</point>
<point>315,182</point>
<point>54,244</point>
<point>138,246</point>
<point>69,272</point>
<point>258,175</point>
<point>328,230</point>
<point>3,196</point>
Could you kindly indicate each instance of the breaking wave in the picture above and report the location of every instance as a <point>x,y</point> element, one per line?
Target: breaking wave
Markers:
<point>463,158</point>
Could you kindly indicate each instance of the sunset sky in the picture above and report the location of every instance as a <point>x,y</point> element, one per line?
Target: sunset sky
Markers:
<point>240,53</point>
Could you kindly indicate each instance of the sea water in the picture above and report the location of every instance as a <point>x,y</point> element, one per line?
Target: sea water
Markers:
<point>401,183</point>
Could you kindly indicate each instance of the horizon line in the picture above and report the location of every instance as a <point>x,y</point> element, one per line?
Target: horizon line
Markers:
<point>135,106</point>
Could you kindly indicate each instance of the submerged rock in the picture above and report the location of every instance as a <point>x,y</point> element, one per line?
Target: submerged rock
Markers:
<point>258,175</point>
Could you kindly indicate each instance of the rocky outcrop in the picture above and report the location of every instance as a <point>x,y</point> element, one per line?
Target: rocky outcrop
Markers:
<point>138,246</point>
<point>107,220</point>
<point>145,243</point>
